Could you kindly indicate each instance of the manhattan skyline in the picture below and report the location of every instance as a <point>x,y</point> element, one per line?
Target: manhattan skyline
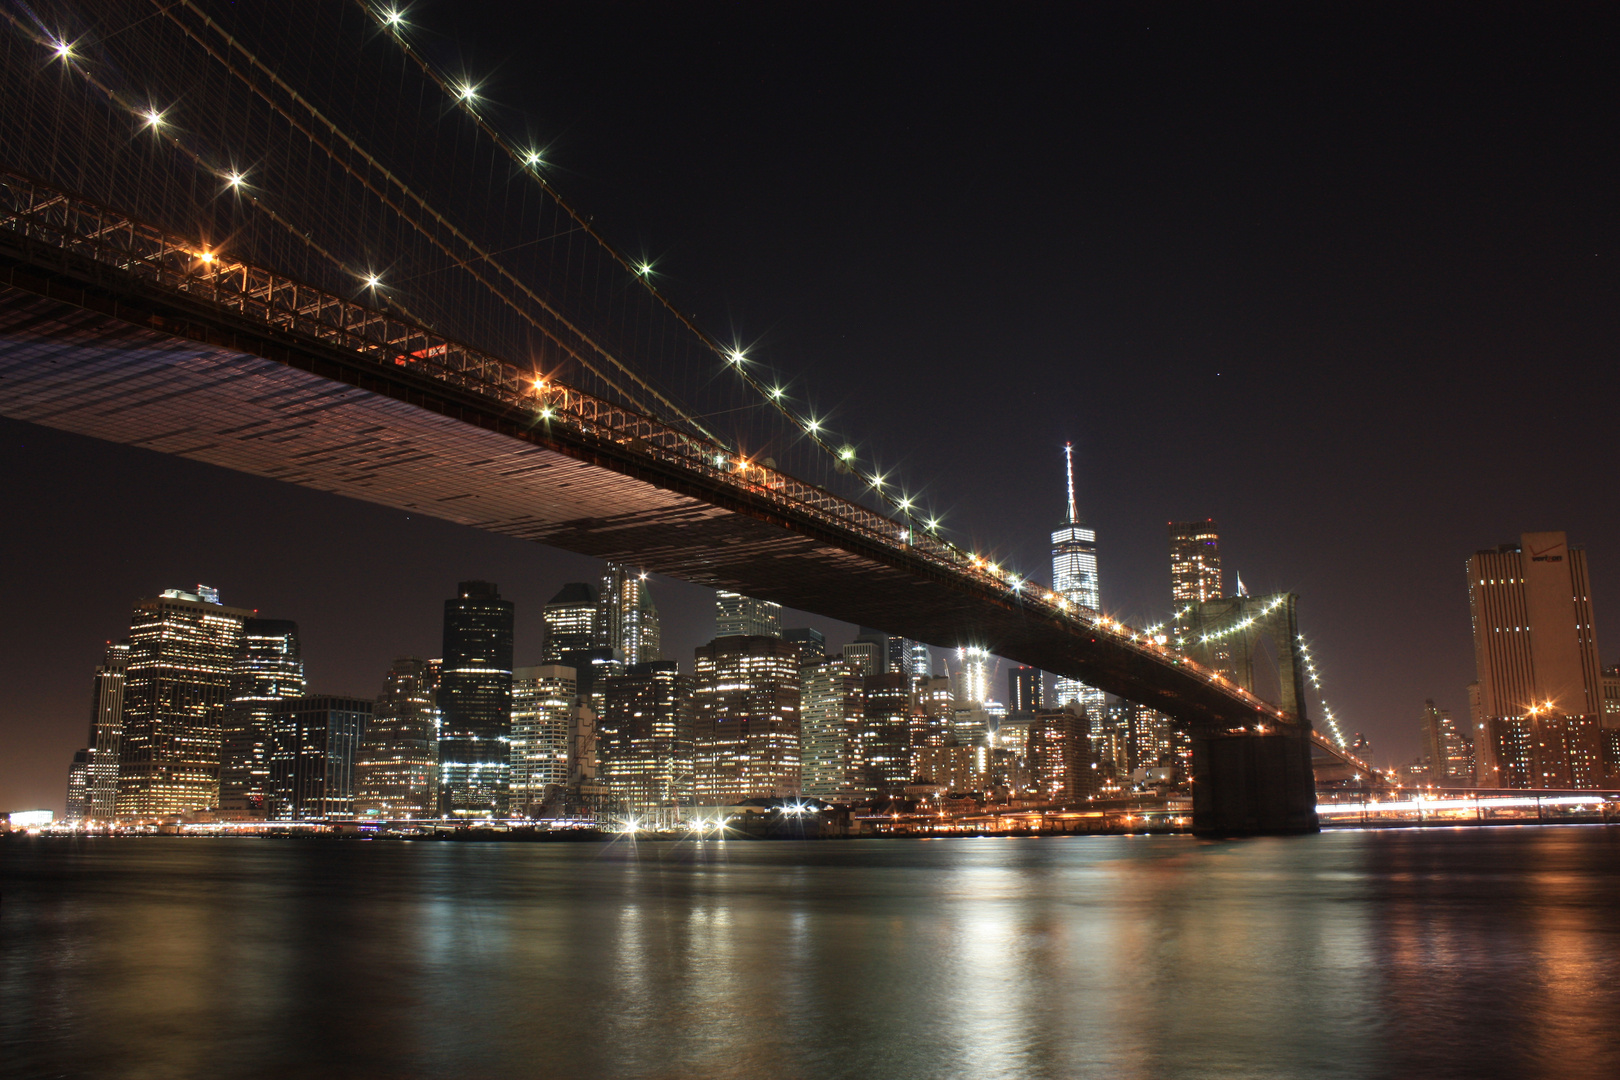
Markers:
<point>1405,406</point>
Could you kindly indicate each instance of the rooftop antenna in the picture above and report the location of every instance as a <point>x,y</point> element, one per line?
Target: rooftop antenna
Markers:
<point>1068,462</point>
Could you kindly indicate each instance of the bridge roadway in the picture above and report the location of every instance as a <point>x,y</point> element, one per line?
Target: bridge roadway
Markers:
<point>118,352</point>
<point>88,349</point>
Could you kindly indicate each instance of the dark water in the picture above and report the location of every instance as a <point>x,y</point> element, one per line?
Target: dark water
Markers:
<point>1468,953</point>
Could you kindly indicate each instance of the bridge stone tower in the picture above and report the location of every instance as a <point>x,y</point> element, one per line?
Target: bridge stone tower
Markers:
<point>1248,639</point>
<point>1261,782</point>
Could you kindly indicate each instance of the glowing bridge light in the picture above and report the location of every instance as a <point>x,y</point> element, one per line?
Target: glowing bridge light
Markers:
<point>813,425</point>
<point>372,281</point>
<point>206,256</point>
<point>877,481</point>
<point>847,454</point>
<point>777,392</point>
<point>644,269</point>
<point>394,18</point>
<point>466,92</point>
<point>234,179</point>
<point>62,49</point>
<point>547,413</point>
<point>153,118</point>
<point>933,523</point>
<point>905,504</point>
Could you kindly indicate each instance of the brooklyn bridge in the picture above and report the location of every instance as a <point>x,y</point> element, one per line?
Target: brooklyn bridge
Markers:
<point>311,254</point>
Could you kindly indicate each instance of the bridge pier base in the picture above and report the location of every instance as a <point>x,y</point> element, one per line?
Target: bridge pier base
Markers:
<point>1253,785</point>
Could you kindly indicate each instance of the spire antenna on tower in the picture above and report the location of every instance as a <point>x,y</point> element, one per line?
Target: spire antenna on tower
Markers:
<point>1068,463</point>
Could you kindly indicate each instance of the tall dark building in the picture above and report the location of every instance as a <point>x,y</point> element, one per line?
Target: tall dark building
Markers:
<point>1024,686</point>
<point>182,647</point>
<point>475,703</point>
<point>397,767</point>
<point>812,644</point>
<point>883,734</point>
<point>106,733</point>
<point>269,667</point>
<point>313,741</point>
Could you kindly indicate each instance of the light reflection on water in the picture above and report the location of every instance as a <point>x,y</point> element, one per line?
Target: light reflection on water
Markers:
<point>1466,953</point>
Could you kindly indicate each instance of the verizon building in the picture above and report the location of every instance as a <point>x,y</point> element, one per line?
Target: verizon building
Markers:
<point>1538,704</point>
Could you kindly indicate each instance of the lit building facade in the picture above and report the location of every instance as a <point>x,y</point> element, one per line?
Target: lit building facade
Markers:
<point>182,649</point>
<point>475,703</point>
<point>1074,578</point>
<point>883,734</point>
<point>313,743</point>
<point>106,733</point>
<point>543,702</point>
<point>1059,753</point>
<point>1195,561</point>
<point>1448,753</point>
<point>629,619</point>
<point>269,667</point>
<point>573,622</point>
<point>1538,712</point>
<point>736,615</point>
<point>747,731</point>
<point>78,802</point>
<point>832,708</point>
<point>644,736</point>
<point>397,766</point>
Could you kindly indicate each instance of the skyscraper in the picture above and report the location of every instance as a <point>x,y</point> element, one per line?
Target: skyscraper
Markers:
<point>313,741</point>
<point>736,615</point>
<point>644,736</point>
<point>865,656</point>
<point>883,758</point>
<point>475,702</point>
<point>812,643</point>
<point>269,667</point>
<point>1024,689</point>
<point>78,803</point>
<point>747,733</point>
<point>1447,751</point>
<point>1074,577</point>
<point>543,703</point>
<point>182,648</point>
<point>1059,751</point>
<point>106,733</point>
<point>629,620</point>
<point>1539,711</point>
<point>573,622</point>
<point>831,710</point>
<point>396,769</point>
<point>1195,561</point>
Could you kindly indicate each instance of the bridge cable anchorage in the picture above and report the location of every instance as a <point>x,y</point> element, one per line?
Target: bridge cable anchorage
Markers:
<point>168,8</point>
<point>464,96</point>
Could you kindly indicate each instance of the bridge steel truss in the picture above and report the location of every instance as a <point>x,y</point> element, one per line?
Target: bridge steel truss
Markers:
<point>117,304</point>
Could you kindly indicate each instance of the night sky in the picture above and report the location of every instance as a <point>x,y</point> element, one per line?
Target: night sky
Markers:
<point>1342,277</point>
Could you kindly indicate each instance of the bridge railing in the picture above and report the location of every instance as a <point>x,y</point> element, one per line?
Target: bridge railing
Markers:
<point>36,213</point>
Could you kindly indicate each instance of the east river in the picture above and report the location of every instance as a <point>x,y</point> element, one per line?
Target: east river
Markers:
<point>1471,953</point>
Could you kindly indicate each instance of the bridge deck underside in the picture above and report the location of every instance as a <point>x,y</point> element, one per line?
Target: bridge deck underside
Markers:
<point>71,366</point>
